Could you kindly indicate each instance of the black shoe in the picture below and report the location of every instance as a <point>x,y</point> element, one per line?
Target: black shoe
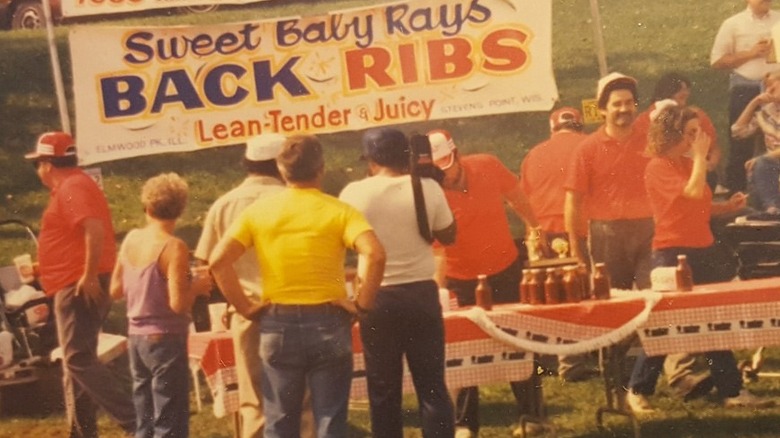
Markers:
<point>695,387</point>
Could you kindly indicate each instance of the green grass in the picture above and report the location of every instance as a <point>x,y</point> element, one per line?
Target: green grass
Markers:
<point>35,411</point>
<point>642,38</point>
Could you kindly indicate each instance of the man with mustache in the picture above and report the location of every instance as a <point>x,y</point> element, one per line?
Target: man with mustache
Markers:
<point>606,172</point>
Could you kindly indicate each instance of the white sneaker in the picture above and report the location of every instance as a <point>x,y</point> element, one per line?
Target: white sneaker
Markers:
<point>638,403</point>
<point>463,432</point>
<point>745,399</point>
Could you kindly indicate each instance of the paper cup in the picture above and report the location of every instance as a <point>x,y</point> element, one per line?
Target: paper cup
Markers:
<point>24,266</point>
<point>444,299</point>
<point>216,312</point>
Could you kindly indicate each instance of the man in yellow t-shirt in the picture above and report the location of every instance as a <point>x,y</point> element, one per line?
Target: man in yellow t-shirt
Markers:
<point>300,236</point>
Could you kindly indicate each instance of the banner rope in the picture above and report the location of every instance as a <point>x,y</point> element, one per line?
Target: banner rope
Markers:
<point>479,316</point>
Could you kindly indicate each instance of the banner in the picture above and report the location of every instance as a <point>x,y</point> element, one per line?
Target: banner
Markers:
<point>76,8</point>
<point>154,90</point>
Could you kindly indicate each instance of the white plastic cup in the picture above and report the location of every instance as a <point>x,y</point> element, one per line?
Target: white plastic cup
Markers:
<point>216,312</point>
<point>24,266</point>
<point>444,299</point>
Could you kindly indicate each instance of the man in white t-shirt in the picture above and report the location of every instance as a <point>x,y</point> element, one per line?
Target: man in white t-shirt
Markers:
<point>742,45</point>
<point>407,319</point>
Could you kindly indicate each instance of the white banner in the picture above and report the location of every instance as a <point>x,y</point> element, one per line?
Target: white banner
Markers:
<point>76,8</point>
<point>155,90</point>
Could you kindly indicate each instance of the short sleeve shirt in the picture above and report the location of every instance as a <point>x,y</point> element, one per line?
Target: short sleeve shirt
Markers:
<point>483,243</point>
<point>741,32</point>
<point>388,204</point>
<point>542,174</point>
<point>679,221</point>
<point>223,213</point>
<point>61,245</point>
<point>300,237</point>
<point>609,174</point>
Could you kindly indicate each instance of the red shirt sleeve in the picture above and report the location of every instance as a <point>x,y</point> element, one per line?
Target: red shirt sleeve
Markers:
<point>504,177</point>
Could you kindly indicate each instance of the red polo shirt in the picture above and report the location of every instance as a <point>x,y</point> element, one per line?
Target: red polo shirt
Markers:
<point>61,249</point>
<point>483,241</point>
<point>542,175</point>
<point>609,173</point>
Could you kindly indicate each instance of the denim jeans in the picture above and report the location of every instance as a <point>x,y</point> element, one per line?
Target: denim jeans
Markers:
<point>299,346</point>
<point>625,246</point>
<point>723,367</point>
<point>87,383</point>
<point>505,286</point>
<point>766,188</point>
<point>161,385</point>
<point>407,321</point>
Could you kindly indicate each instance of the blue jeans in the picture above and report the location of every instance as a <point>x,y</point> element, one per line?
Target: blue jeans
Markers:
<point>407,321</point>
<point>723,366</point>
<point>161,385</point>
<point>766,189</point>
<point>306,345</point>
<point>624,245</point>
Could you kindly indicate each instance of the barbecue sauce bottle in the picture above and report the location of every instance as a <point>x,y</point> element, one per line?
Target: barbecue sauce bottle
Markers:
<point>683,274</point>
<point>525,287</point>
<point>601,283</point>
<point>536,287</point>
<point>571,285</point>
<point>552,288</point>
<point>483,293</point>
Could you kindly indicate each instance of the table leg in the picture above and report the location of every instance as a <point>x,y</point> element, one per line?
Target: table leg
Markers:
<point>615,387</point>
<point>194,367</point>
<point>236,424</point>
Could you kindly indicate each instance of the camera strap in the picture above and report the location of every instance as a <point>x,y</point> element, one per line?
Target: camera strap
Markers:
<point>419,208</point>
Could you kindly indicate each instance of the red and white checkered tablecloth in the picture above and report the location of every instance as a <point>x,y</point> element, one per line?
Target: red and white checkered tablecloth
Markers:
<point>722,316</point>
<point>472,358</point>
<point>214,353</point>
<point>725,316</point>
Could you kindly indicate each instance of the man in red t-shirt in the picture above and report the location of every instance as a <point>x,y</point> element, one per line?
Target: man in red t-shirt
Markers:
<point>76,253</point>
<point>477,187</point>
<point>544,168</point>
<point>541,177</point>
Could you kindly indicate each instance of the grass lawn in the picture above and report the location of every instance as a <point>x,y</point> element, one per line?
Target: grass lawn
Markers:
<point>642,38</point>
<point>35,411</point>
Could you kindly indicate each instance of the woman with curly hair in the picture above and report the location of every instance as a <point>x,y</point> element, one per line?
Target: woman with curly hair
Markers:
<point>153,273</point>
<point>682,205</point>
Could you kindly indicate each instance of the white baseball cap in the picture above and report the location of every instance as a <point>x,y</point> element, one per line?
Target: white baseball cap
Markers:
<point>605,84</point>
<point>442,146</point>
<point>264,147</point>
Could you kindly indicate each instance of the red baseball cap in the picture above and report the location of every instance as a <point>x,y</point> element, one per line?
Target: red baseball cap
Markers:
<point>53,144</point>
<point>566,117</point>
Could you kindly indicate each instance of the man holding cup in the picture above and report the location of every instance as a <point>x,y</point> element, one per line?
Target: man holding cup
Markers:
<point>743,45</point>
